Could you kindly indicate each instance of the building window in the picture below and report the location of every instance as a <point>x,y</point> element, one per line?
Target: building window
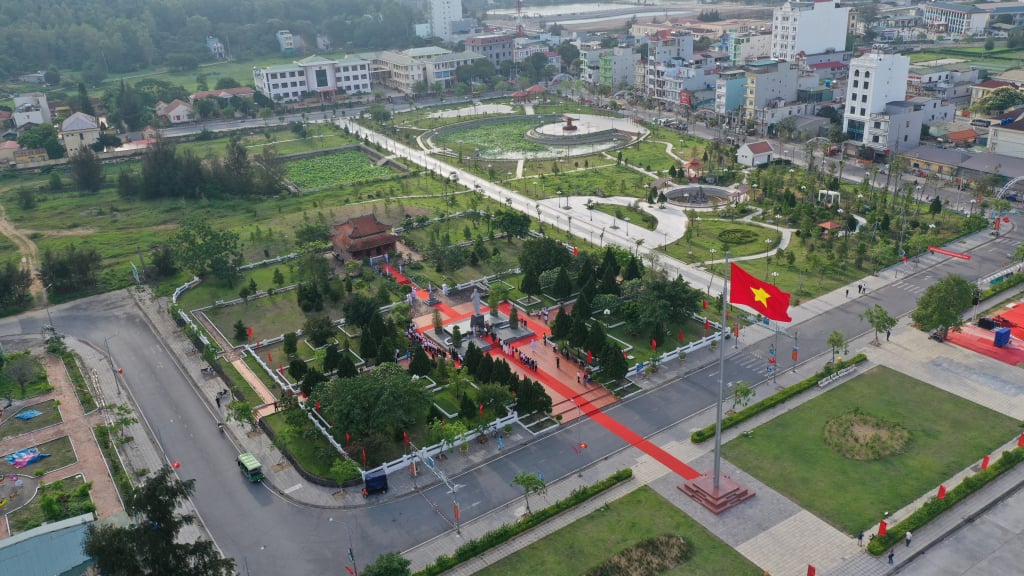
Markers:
<point>867,73</point>
<point>866,83</point>
<point>856,73</point>
<point>863,112</point>
<point>864,98</point>
<point>855,83</point>
<point>878,125</point>
<point>853,109</point>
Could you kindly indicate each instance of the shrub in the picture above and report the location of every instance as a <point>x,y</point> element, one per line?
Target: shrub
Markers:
<point>735,236</point>
<point>934,507</point>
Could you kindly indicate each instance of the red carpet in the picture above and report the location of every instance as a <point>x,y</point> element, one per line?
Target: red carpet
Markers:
<point>630,437</point>
<point>403,279</point>
<point>980,340</point>
<point>1015,315</point>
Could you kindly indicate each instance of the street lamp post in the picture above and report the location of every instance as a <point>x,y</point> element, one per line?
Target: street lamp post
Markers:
<point>775,277</point>
<point>767,247</point>
<point>627,225</point>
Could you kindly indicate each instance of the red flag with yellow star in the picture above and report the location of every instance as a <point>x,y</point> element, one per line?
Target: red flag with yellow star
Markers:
<point>764,298</point>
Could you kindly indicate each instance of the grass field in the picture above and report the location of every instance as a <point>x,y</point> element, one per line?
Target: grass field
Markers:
<point>332,169</point>
<point>31,515</point>
<point>642,514</point>
<point>947,434</point>
<point>15,427</point>
<point>637,217</point>
<point>269,317</point>
<point>611,180</point>
<point>313,450</point>
<point>60,451</point>
<point>708,234</point>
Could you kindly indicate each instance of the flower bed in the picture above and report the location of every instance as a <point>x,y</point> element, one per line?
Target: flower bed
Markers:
<point>342,167</point>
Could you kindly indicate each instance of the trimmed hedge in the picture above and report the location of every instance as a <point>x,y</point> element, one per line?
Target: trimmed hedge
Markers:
<point>934,507</point>
<point>1003,286</point>
<point>506,532</point>
<point>773,400</point>
<point>74,370</point>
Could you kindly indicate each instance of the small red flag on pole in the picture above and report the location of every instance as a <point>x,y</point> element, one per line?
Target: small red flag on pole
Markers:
<point>270,358</point>
<point>250,332</point>
<point>984,462</point>
<point>481,408</point>
<point>364,456</point>
<point>590,357</point>
<point>681,337</point>
<point>707,324</point>
<point>405,437</point>
<point>882,527</point>
<point>349,568</point>
<point>654,345</point>
<point>280,368</point>
<point>704,303</point>
<point>942,492</point>
<point>348,439</point>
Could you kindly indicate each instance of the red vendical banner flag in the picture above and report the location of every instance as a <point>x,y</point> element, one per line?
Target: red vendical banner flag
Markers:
<point>250,332</point>
<point>811,570</point>
<point>405,437</point>
<point>317,405</point>
<point>681,337</point>
<point>704,303</point>
<point>590,357</point>
<point>575,251</point>
<point>882,527</point>
<point>364,456</point>
<point>270,358</point>
<point>654,345</point>
<point>349,568</point>
<point>763,297</point>
<point>707,324</point>
<point>942,492</point>
<point>481,408</point>
<point>348,439</point>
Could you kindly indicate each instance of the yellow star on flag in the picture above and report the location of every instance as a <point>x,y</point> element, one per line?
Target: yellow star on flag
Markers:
<point>761,295</point>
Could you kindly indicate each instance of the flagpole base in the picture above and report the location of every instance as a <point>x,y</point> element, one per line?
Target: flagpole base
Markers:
<point>729,493</point>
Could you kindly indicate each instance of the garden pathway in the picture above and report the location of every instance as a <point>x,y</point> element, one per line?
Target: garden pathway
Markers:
<point>77,426</point>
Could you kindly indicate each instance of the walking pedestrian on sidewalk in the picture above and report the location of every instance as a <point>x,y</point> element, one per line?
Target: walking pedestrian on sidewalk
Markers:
<point>908,537</point>
<point>558,363</point>
<point>860,538</point>
<point>847,292</point>
<point>888,333</point>
<point>892,554</point>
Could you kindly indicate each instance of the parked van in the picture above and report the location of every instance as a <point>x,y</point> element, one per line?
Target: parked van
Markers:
<point>375,483</point>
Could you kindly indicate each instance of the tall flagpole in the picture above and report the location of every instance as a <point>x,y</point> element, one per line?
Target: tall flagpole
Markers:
<point>721,374</point>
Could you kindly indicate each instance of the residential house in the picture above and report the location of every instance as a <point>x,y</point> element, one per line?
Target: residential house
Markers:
<point>7,150</point>
<point>755,154</point>
<point>31,157</point>
<point>942,161</point>
<point>175,112</point>
<point>31,108</point>
<point>1007,135</point>
<point>362,237</point>
<point>78,131</point>
<point>983,89</point>
<point>224,93</point>
<point>216,47</point>
<point>286,42</point>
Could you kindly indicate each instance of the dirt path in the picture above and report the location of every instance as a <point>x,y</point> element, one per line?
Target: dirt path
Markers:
<point>28,249</point>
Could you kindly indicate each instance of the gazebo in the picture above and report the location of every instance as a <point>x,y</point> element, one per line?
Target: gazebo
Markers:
<point>694,168</point>
<point>536,89</point>
<point>828,227</point>
<point>520,95</point>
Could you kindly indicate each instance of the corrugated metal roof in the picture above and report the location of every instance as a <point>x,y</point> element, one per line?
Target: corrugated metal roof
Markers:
<point>49,550</point>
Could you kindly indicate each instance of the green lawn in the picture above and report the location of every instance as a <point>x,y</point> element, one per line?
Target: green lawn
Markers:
<point>31,515</point>
<point>640,515</point>
<point>312,449</point>
<point>60,451</point>
<point>636,216</point>
<point>947,435</point>
<point>709,233</point>
<point>14,427</point>
<point>37,386</point>
<point>269,317</point>
<point>612,180</point>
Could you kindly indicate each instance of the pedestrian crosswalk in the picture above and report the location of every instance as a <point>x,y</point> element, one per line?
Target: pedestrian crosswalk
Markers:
<point>908,287</point>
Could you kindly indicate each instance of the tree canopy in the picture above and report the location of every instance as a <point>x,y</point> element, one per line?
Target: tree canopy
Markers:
<point>201,249</point>
<point>383,401</point>
<point>943,304</point>
<point>151,546</point>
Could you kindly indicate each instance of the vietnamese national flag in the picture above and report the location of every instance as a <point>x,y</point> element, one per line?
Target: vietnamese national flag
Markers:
<point>763,297</point>
<point>405,437</point>
<point>654,345</point>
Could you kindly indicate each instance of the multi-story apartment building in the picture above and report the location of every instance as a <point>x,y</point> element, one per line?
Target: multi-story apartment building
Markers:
<point>496,47</point>
<point>876,80</point>
<point>770,83</point>
<point>285,42</point>
<point>317,75</point>
<point>746,47</point>
<point>615,68</point>
<point>441,15</point>
<point>730,91</point>
<point>808,27</point>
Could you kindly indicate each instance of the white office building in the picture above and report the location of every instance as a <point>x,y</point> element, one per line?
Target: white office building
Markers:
<point>442,13</point>
<point>808,27</point>
<point>313,75</point>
